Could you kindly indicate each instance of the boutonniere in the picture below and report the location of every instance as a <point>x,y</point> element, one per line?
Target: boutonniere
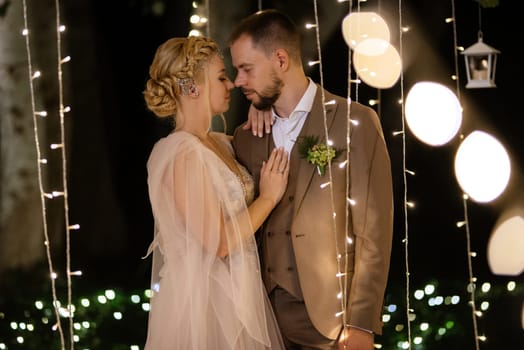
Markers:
<point>318,154</point>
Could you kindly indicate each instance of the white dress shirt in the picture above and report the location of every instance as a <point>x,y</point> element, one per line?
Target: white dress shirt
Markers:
<point>285,130</point>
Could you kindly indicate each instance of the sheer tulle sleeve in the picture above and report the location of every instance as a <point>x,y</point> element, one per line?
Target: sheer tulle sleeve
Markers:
<point>200,300</point>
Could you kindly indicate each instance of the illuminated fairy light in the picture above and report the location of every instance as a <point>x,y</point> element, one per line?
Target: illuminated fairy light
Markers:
<point>461,223</point>
<point>325,184</point>
<point>195,32</point>
<point>110,294</point>
<point>398,132</point>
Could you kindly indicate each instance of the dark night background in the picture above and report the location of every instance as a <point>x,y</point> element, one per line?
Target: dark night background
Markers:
<point>111,134</point>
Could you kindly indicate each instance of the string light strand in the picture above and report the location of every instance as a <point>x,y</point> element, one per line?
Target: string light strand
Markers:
<point>465,197</point>
<point>47,243</point>
<point>61,111</point>
<point>342,313</point>
<point>405,172</point>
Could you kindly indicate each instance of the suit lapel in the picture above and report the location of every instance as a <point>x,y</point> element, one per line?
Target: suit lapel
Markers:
<point>314,125</point>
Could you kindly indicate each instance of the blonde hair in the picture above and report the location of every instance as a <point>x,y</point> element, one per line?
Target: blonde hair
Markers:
<point>176,61</point>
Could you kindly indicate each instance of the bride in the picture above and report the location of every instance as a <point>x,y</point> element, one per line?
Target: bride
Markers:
<point>208,292</point>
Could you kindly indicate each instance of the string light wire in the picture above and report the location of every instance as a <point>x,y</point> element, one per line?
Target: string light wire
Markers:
<point>61,112</point>
<point>47,242</point>
<point>54,194</point>
<point>471,283</point>
<point>405,172</point>
<point>342,276</point>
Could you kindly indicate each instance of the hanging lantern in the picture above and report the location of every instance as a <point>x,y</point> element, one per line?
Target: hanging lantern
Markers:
<point>481,61</point>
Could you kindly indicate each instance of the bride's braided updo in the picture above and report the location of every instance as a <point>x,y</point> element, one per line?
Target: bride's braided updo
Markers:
<point>176,62</point>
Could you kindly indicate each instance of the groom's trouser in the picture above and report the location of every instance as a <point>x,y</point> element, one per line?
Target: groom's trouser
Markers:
<point>297,330</point>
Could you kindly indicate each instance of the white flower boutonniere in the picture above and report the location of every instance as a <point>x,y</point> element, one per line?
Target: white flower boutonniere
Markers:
<point>318,154</point>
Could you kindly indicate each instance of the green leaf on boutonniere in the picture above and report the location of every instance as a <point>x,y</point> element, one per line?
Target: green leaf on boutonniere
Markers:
<point>316,153</point>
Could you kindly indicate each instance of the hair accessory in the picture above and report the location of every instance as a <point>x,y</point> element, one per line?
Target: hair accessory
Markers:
<point>188,86</point>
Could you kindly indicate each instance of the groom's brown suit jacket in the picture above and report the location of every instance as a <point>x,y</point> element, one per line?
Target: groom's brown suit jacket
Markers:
<point>299,251</point>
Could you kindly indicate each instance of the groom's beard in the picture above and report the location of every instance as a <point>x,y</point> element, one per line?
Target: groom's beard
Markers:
<point>269,95</point>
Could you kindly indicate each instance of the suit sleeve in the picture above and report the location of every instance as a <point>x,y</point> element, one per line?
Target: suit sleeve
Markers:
<point>372,190</point>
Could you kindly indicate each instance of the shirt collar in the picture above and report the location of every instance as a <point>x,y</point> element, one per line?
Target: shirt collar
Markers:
<point>306,102</point>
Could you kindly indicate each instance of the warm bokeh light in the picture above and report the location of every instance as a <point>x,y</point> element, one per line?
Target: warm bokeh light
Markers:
<point>482,167</point>
<point>379,71</point>
<point>433,113</point>
<point>359,26</point>
<point>506,247</point>
<point>372,47</point>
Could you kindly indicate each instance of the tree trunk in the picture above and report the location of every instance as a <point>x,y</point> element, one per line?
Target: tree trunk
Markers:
<point>21,218</point>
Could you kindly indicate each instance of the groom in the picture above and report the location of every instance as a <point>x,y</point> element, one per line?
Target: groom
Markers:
<point>306,241</point>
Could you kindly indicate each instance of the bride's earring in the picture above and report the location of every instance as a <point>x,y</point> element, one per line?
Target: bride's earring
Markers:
<point>188,87</point>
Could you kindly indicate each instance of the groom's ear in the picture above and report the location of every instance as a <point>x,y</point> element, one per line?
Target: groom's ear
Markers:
<point>282,58</point>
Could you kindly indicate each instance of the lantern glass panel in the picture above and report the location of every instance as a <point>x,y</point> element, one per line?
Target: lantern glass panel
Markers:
<point>479,67</point>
